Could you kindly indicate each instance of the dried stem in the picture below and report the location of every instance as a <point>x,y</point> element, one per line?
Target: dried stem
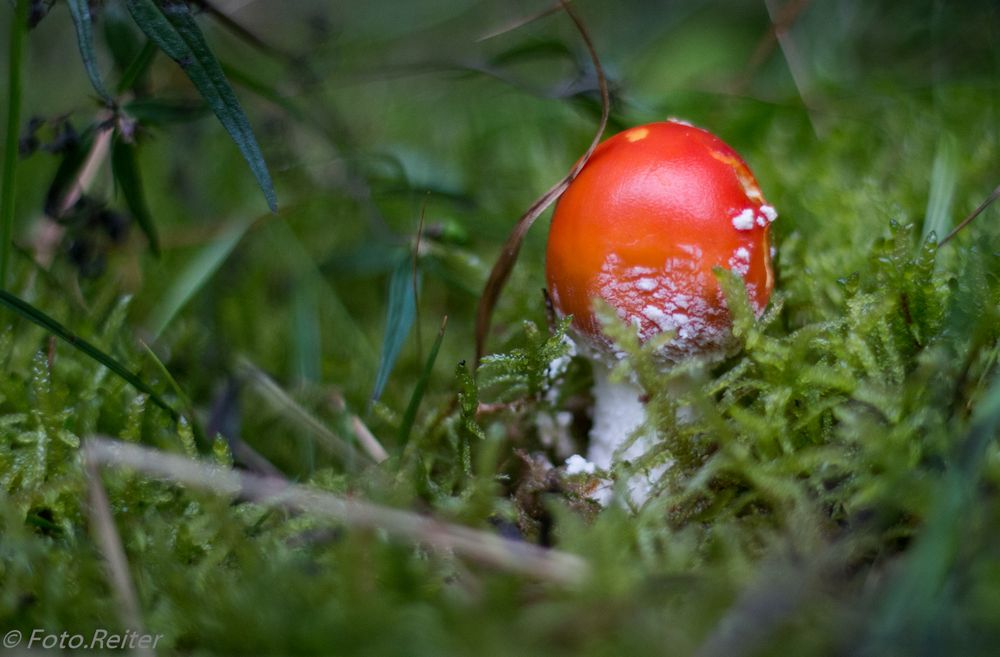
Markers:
<point>506,554</point>
<point>508,255</point>
<point>968,220</point>
<point>110,544</point>
<point>88,173</point>
<point>49,232</point>
<point>367,440</point>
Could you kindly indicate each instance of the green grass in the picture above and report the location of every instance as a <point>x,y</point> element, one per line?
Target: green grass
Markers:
<point>836,492</point>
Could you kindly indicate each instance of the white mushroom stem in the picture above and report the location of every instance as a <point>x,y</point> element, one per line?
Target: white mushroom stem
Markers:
<point>619,413</point>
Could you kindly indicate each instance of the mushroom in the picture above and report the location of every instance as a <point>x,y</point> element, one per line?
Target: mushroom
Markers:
<point>641,227</point>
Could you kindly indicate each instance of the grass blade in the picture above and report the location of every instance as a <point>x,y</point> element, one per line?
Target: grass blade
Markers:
<point>307,345</point>
<point>18,26</point>
<point>418,391</point>
<point>187,283</point>
<point>80,10</point>
<point>121,37</point>
<point>126,174</point>
<point>36,316</point>
<point>140,64</point>
<point>399,319</point>
<point>350,336</point>
<point>192,416</point>
<point>159,111</point>
<point>273,394</point>
<point>173,29</point>
<point>944,176</point>
<point>921,586</point>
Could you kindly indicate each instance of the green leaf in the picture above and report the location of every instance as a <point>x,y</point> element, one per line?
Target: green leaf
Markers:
<point>171,26</point>
<point>120,36</point>
<point>399,319</point>
<point>944,177</point>
<point>188,282</point>
<point>189,410</point>
<point>126,173</point>
<point>161,111</point>
<point>80,10</point>
<point>418,391</point>
<point>138,66</point>
<point>36,316</point>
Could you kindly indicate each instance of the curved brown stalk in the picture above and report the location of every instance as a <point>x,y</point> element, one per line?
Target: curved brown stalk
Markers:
<point>508,255</point>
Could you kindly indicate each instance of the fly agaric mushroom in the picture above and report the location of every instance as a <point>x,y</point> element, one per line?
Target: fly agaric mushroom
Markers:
<point>641,227</point>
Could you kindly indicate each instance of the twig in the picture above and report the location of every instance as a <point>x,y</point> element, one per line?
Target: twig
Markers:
<point>95,158</point>
<point>110,545</point>
<point>506,554</point>
<point>508,255</point>
<point>968,220</point>
<point>368,440</point>
<point>50,232</point>
<point>365,437</point>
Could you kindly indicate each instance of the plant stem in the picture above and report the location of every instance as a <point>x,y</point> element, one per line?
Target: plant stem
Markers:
<point>18,27</point>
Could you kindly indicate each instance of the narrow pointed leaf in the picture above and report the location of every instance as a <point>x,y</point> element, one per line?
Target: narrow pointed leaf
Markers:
<point>163,111</point>
<point>185,401</point>
<point>80,10</point>
<point>171,26</point>
<point>944,177</point>
<point>194,276</point>
<point>138,66</point>
<point>418,390</point>
<point>36,316</point>
<point>399,320</point>
<point>124,42</point>
<point>126,173</point>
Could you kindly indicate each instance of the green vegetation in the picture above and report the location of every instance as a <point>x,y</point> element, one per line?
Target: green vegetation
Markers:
<point>836,488</point>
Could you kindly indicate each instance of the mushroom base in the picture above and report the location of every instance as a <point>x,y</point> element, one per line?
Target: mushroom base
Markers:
<point>619,413</point>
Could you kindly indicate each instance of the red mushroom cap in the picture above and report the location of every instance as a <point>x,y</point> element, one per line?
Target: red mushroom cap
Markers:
<point>642,226</point>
